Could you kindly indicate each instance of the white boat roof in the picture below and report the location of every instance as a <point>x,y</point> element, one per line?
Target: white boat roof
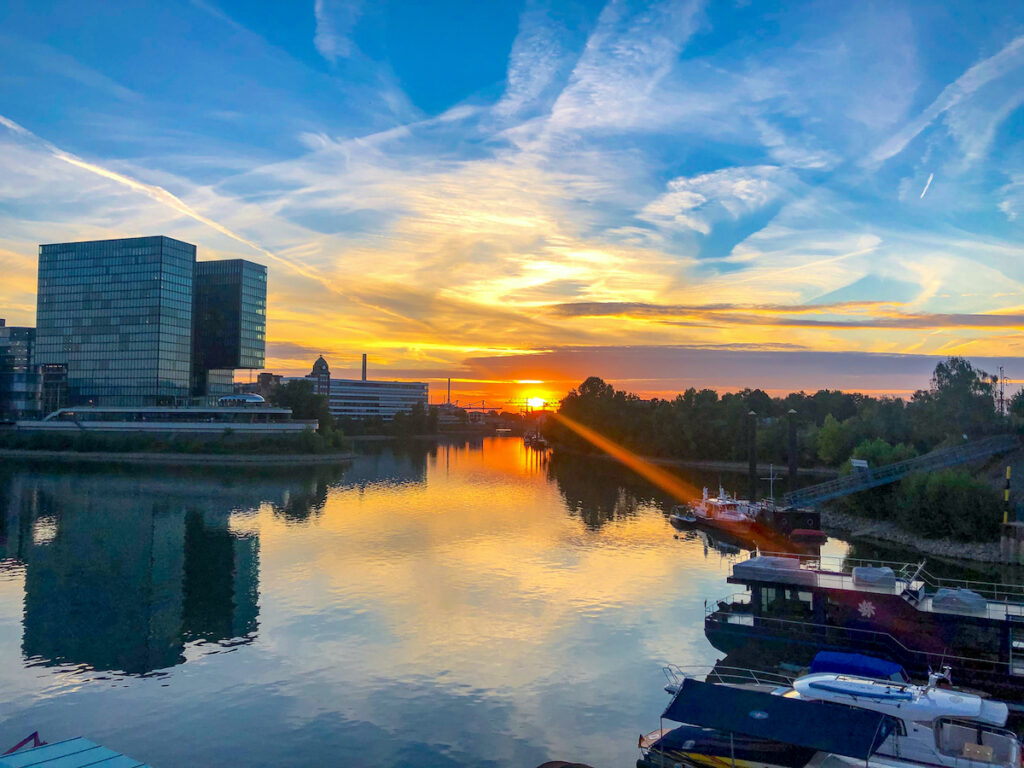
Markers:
<point>906,701</point>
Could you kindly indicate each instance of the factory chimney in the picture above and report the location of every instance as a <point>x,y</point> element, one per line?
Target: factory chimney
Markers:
<point>364,366</point>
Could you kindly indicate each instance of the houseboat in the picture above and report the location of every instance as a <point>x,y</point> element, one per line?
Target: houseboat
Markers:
<point>794,607</point>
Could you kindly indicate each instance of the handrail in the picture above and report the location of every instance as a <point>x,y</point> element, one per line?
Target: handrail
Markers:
<point>863,479</point>
<point>908,572</point>
<point>724,675</point>
<point>942,658</point>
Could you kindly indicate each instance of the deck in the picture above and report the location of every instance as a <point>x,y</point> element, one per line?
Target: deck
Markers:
<point>73,753</point>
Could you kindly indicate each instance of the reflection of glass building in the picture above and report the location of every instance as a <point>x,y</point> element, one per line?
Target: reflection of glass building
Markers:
<point>229,312</point>
<point>125,590</point>
<point>118,314</point>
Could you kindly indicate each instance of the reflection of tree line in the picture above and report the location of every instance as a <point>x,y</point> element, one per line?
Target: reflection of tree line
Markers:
<point>598,490</point>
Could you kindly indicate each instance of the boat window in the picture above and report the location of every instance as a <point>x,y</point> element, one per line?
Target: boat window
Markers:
<point>786,603</point>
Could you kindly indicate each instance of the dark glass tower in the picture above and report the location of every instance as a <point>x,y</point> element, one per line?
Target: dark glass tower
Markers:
<point>118,315</point>
<point>230,322</point>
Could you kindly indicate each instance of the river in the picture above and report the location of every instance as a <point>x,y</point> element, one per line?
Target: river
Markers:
<point>457,604</point>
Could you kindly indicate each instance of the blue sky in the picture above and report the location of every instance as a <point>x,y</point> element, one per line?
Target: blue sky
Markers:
<point>442,184</point>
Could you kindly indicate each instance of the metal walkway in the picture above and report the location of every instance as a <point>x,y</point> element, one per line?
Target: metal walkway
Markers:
<point>862,479</point>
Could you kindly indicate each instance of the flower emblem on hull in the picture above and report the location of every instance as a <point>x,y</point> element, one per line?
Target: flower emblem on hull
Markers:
<point>866,608</point>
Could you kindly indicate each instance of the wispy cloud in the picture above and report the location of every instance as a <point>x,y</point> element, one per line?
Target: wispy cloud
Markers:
<point>335,21</point>
<point>1009,59</point>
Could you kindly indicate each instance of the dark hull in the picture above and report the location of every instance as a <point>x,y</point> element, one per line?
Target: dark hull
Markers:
<point>797,644</point>
<point>705,748</point>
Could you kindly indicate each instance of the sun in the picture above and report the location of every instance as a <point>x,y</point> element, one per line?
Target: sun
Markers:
<point>536,402</point>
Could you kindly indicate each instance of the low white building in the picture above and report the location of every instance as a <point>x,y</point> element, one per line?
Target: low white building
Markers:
<point>363,398</point>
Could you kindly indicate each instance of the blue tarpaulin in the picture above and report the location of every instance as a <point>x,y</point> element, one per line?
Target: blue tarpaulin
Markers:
<point>823,726</point>
<point>857,664</point>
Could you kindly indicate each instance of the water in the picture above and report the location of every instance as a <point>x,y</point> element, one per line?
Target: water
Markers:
<point>465,604</point>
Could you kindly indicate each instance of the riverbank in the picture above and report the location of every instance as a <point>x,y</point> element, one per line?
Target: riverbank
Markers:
<point>178,459</point>
<point>885,533</point>
<point>720,466</point>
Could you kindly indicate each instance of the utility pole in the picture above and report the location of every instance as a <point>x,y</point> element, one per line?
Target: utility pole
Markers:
<point>1002,401</point>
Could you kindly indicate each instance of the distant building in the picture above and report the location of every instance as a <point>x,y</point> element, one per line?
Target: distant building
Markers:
<point>138,322</point>
<point>365,399</point>
<point>20,383</point>
<point>229,310</point>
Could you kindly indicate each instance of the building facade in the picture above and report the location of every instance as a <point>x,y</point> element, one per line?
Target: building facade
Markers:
<point>366,399</point>
<point>20,382</point>
<point>118,315</point>
<point>229,310</point>
<point>138,322</point>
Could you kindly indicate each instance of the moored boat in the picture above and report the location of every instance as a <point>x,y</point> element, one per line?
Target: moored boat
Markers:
<point>894,611</point>
<point>830,719</point>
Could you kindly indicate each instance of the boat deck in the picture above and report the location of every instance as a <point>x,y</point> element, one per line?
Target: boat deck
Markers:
<point>1000,610</point>
<point>73,753</point>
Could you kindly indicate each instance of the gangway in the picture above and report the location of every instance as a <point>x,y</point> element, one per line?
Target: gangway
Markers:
<point>863,479</point>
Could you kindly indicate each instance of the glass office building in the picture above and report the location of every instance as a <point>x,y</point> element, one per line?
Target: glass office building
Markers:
<point>229,311</point>
<point>118,315</point>
<point>20,383</point>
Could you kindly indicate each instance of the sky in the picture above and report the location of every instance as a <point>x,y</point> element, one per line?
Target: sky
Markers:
<point>665,194</point>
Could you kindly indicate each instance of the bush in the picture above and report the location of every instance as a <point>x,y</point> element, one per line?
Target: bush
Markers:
<point>949,504</point>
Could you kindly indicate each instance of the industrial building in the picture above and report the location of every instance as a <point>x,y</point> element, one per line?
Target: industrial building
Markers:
<point>364,398</point>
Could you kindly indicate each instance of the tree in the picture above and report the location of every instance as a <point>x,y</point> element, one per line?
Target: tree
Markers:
<point>305,404</point>
<point>834,441</point>
<point>959,402</point>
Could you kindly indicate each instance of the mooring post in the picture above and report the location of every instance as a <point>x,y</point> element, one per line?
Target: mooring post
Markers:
<point>791,453</point>
<point>752,455</point>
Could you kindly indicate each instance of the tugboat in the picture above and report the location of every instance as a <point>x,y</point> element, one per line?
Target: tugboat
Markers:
<point>895,611</point>
<point>830,719</point>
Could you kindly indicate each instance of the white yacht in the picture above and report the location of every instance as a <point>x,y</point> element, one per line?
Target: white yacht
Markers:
<point>831,719</point>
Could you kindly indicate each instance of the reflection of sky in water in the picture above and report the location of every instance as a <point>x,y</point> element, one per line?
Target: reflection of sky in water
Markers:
<point>443,606</point>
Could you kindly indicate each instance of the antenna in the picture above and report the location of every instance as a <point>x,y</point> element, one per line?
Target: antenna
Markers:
<point>772,477</point>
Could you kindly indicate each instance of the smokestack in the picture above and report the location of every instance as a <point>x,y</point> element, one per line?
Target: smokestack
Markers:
<point>449,401</point>
<point>364,366</point>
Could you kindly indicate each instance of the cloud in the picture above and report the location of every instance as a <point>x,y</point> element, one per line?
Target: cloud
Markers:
<point>335,21</point>
<point>1008,59</point>
<point>694,203</point>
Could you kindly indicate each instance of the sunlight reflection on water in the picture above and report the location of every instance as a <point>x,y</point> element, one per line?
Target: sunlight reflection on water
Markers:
<point>455,605</point>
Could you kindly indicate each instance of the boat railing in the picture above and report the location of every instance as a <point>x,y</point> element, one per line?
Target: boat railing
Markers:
<point>675,675</point>
<point>913,575</point>
<point>826,632</point>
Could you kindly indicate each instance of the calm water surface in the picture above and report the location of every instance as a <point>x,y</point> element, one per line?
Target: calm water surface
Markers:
<point>470,604</point>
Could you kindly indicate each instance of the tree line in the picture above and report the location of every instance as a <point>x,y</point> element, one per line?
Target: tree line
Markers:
<point>831,424</point>
<point>832,427</point>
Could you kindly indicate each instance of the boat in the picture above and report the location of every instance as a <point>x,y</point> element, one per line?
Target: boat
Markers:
<point>796,606</point>
<point>722,512</point>
<point>830,719</point>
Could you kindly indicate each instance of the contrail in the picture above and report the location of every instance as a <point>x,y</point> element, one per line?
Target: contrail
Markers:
<point>162,196</point>
<point>926,185</point>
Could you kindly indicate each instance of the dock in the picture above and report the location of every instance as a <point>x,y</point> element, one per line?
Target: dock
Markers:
<point>72,753</point>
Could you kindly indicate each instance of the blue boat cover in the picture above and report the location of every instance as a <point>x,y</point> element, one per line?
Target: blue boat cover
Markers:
<point>817,725</point>
<point>857,664</point>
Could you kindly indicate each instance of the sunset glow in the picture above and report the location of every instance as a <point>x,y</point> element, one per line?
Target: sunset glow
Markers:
<point>584,191</point>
